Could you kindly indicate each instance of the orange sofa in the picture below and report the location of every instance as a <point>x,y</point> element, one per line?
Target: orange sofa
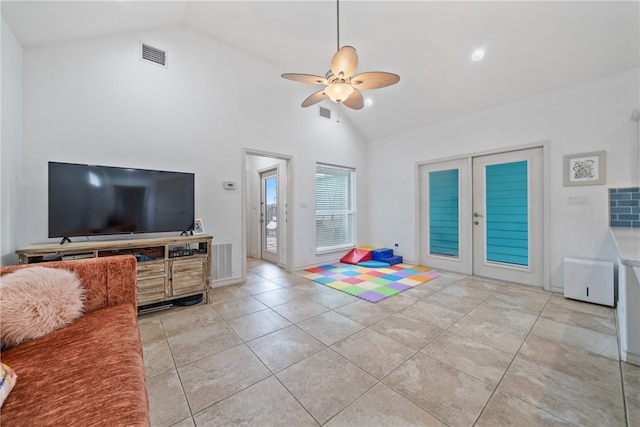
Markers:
<point>90,372</point>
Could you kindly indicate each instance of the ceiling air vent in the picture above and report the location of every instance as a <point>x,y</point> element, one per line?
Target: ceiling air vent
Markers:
<point>325,112</point>
<point>153,55</point>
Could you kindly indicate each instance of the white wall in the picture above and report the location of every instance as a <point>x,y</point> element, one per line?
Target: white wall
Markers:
<point>589,117</point>
<point>10,145</point>
<point>94,101</point>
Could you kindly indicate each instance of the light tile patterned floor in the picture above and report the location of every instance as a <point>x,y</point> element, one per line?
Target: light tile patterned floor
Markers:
<point>460,351</point>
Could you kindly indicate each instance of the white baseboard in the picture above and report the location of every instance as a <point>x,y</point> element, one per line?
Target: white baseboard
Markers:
<point>226,282</point>
<point>630,357</point>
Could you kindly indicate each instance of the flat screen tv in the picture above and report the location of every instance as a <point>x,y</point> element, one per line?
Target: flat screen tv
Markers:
<point>87,200</point>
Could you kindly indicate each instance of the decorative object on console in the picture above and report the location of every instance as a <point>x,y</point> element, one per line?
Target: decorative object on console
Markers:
<point>198,227</point>
<point>585,168</point>
<point>36,301</point>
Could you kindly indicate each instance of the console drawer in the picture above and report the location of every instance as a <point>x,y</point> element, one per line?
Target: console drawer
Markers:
<point>188,275</point>
<point>151,289</point>
<point>150,269</point>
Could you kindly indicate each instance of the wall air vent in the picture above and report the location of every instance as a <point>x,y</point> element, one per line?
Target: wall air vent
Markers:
<point>153,55</point>
<point>325,112</point>
<point>221,261</point>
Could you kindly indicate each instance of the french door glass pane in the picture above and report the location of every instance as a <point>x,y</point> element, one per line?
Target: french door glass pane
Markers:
<point>507,213</point>
<point>443,213</point>
<point>270,214</point>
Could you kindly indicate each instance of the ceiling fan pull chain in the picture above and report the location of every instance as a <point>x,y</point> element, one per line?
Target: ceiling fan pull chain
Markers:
<point>338,24</point>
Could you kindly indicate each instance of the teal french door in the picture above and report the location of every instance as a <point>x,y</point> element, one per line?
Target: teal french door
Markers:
<point>484,216</point>
<point>508,216</point>
<point>444,211</point>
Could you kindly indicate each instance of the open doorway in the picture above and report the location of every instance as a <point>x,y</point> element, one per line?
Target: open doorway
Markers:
<point>267,196</point>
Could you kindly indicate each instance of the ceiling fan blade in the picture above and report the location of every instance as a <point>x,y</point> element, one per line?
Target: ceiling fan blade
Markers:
<point>314,98</point>
<point>345,61</point>
<point>355,100</point>
<point>374,80</point>
<point>305,78</point>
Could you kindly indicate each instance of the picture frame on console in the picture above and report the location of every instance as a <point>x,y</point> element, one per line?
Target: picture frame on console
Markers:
<point>198,227</point>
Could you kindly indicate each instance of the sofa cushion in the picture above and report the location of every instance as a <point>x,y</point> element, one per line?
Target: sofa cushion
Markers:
<point>94,374</point>
<point>107,280</point>
<point>35,301</point>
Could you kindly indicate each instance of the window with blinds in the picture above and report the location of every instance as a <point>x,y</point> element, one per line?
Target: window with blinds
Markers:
<point>335,208</point>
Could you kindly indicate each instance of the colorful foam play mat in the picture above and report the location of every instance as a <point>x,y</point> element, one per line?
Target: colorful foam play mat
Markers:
<point>370,284</point>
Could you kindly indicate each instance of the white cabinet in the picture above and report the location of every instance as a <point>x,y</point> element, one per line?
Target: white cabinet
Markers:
<point>590,281</point>
<point>628,313</point>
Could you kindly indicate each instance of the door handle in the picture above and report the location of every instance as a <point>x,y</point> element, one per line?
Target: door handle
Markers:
<point>476,215</point>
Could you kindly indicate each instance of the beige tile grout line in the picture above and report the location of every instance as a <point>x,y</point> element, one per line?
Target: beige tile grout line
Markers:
<point>624,394</point>
<point>511,362</point>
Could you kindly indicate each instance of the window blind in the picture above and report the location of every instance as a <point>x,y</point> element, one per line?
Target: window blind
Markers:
<point>335,207</point>
<point>443,213</point>
<point>507,212</point>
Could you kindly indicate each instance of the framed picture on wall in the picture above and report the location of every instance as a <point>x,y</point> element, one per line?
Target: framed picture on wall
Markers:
<point>198,228</point>
<point>585,168</point>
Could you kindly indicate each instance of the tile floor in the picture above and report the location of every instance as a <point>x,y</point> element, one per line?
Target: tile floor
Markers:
<point>459,351</point>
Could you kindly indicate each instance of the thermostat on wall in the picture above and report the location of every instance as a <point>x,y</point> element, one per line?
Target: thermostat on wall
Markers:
<point>229,185</point>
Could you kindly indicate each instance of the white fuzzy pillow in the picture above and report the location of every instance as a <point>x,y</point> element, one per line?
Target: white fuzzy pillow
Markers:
<point>37,300</point>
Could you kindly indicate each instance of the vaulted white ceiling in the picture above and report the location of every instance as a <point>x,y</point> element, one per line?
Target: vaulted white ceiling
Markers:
<point>531,46</point>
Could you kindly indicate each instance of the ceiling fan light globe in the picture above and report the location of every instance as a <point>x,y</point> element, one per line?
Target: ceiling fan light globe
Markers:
<point>339,92</point>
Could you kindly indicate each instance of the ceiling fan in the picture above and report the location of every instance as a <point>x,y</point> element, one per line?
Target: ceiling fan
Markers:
<point>341,85</point>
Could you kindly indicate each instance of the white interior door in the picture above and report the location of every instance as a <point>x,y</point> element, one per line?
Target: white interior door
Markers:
<point>445,209</point>
<point>269,215</point>
<point>508,216</point>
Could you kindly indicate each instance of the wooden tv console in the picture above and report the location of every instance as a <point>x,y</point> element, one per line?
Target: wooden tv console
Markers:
<point>169,268</point>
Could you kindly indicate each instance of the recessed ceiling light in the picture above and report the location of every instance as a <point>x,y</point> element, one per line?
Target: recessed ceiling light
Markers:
<point>477,54</point>
<point>368,102</point>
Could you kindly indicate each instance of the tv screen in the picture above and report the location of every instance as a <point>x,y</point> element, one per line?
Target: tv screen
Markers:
<point>87,200</point>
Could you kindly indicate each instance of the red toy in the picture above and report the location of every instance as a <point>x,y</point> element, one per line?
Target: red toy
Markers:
<point>356,255</point>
